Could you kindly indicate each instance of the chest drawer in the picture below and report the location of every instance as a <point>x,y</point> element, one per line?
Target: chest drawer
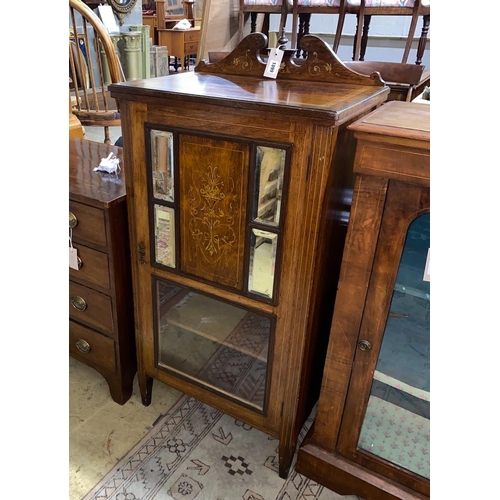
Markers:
<point>90,224</point>
<point>191,47</point>
<point>90,307</point>
<point>94,269</point>
<point>89,345</point>
<point>192,36</point>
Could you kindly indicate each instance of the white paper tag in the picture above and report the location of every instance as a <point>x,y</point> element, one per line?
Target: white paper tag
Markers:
<point>73,258</point>
<point>427,272</point>
<point>273,63</point>
<point>108,18</point>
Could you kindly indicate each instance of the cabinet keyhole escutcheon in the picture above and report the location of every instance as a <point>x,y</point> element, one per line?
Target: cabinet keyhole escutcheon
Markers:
<point>142,253</point>
<point>364,345</point>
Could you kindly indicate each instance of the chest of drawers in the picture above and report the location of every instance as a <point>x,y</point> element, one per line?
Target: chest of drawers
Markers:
<point>180,43</point>
<point>101,321</point>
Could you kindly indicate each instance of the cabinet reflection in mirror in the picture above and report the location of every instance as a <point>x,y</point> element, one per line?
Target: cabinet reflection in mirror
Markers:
<point>213,343</point>
<point>269,170</point>
<point>262,262</point>
<point>162,158</point>
<point>164,235</point>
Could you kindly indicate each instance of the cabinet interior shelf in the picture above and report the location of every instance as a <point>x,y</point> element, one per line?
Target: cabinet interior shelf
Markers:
<point>215,339</point>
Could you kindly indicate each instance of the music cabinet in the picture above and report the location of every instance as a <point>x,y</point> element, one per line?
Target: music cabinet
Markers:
<point>239,187</point>
<point>371,433</point>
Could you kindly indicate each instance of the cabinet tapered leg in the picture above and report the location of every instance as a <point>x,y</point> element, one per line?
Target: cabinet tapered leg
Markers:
<point>286,453</point>
<point>146,388</point>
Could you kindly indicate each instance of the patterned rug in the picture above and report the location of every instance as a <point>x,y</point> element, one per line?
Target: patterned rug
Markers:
<point>197,452</point>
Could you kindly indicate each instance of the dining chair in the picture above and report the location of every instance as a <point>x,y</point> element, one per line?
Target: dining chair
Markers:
<point>301,15</point>
<point>93,65</point>
<point>267,7</point>
<point>365,9</point>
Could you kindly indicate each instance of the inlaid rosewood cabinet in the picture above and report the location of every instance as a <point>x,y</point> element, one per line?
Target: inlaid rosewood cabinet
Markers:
<point>371,435</point>
<point>101,320</point>
<point>239,190</point>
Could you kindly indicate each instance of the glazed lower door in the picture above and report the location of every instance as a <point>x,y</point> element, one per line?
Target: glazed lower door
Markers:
<point>391,375</point>
<point>213,343</point>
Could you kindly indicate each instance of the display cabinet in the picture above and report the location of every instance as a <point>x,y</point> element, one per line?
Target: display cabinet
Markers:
<point>239,190</point>
<point>371,435</point>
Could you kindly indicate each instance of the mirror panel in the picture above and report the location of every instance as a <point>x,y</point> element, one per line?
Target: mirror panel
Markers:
<point>269,169</point>
<point>164,220</point>
<point>162,160</point>
<point>261,272</point>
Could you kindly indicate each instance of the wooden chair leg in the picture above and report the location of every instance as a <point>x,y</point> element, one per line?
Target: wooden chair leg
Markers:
<point>340,27</point>
<point>301,34</point>
<point>411,35</point>
<point>253,21</point>
<point>107,139</point>
<point>357,40</point>
<point>283,23</point>
<point>364,37</point>
<point>306,25</point>
<point>423,39</point>
<point>295,23</point>
<point>241,25</point>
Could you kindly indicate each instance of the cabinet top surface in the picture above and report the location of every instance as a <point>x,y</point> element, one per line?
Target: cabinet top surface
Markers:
<point>407,120</point>
<point>88,186</point>
<point>315,99</point>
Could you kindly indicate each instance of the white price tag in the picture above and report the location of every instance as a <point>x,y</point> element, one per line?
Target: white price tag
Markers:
<point>273,63</point>
<point>73,258</point>
<point>427,271</point>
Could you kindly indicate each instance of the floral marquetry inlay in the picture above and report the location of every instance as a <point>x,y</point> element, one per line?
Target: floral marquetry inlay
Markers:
<point>211,223</point>
<point>213,193</point>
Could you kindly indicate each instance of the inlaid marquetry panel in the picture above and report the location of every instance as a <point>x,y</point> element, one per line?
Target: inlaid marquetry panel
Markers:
<point>213,195</point>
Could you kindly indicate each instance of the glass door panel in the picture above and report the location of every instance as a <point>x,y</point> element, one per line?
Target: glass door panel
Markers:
<point>396,424</point>
<point>214,343</point>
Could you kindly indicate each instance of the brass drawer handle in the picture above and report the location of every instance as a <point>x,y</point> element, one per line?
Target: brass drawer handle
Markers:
<point>73,221</point>
<point>80,262</point>
<point>83,346</point>
<point>78,303</point>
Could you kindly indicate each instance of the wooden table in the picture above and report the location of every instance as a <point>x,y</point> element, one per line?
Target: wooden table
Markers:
<point>180,43</point>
